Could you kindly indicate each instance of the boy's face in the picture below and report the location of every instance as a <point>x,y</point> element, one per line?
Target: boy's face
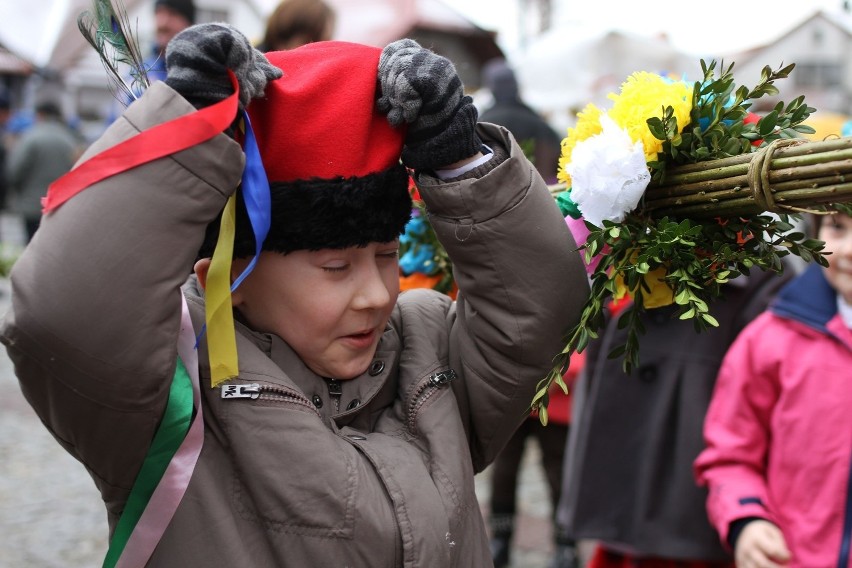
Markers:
<point>836,231</point>
<point>331,306</point>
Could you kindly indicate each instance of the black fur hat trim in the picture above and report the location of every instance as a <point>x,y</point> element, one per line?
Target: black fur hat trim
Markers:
<point>326,213</point>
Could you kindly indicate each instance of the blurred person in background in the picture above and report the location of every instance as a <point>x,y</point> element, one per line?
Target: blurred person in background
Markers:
<point>5,114</point>
<point>298,22</point>
<point>541,146</point>
<point>42,154</point>
<point>628,480</point>
<point>539,141</point>
<point>170,17</point>
<point>505,472</point>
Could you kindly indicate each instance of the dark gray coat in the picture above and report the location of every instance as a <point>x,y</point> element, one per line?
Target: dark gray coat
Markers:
<point>628,479</point>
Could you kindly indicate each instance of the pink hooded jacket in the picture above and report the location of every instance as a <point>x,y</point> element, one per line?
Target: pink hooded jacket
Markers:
<point>778,431</point>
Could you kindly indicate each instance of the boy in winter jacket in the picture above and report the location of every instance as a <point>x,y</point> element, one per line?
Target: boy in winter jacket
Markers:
<point>777,432</point>
<point>347,421</point>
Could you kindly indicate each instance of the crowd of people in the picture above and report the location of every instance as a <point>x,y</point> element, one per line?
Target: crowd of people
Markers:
<point>347,420</point>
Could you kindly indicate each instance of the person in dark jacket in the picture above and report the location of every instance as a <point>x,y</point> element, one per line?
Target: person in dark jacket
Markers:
<point>628,480</point>
<point>541,144</point>
<point>216,331</point>
<point>42,154</point>
<point>542,147</point>
<point>5,113</point>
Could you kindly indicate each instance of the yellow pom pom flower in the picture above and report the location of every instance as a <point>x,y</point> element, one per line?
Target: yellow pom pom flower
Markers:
<point>588,125</point>
<point>644,95</point>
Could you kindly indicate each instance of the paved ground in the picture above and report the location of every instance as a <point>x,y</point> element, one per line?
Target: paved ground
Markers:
<point>51,515</point>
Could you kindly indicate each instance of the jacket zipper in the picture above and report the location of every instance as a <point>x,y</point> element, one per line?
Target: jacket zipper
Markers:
<point>425,391</point>
<point>335,391</point>
<point>256,391</point>
<point>846,541</point>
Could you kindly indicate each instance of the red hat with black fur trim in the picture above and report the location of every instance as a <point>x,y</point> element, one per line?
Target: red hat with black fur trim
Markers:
<point>331,158</point>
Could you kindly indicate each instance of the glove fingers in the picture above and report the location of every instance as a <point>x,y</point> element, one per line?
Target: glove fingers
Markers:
<point>197,60</point>
<point>424,89</point>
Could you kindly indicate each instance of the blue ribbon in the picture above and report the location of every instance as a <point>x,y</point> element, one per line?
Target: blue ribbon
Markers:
<point>255,190</point>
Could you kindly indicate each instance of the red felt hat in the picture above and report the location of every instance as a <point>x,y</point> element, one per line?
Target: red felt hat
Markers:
<point>332,159</point>
<point>320,118</point>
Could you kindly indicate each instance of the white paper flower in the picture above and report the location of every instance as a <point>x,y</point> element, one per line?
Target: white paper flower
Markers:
<point>608,174</point>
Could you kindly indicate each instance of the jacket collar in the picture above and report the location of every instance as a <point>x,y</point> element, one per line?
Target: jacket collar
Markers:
<point>808,299</point>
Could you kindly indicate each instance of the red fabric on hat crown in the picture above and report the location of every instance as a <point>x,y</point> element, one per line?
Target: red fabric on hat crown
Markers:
<point>320,119</point>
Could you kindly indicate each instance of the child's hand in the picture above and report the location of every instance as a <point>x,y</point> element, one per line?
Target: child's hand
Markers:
<point>423,89</point>
<point>761,545</point>
<point>198,59</point>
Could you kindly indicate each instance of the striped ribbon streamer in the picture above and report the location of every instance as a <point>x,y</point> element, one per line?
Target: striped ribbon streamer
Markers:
<point>168,466</point>
<point>219,316</point>
<point>152,144</point>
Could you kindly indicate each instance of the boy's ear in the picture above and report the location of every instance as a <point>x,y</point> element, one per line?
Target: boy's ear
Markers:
<point>202,267</point>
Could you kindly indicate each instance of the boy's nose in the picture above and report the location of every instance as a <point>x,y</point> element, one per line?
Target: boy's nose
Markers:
<point>372,291</point>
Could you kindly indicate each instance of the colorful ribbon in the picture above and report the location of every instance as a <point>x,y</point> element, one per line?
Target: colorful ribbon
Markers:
<point>218,313</point>
<point>168,466</point>
<point>219,316</point>
<point>171,459</point>
<point>157,142</point>
<point>169,138</point>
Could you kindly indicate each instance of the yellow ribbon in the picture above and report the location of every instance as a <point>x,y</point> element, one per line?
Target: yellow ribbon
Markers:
<point>219,314</point>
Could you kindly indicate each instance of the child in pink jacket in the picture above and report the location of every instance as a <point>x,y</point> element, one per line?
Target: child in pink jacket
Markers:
<point>778,431</point>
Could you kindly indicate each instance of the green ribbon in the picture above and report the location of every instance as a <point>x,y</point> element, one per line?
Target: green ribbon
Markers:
<point>567,205</point>
<point>167,440</point>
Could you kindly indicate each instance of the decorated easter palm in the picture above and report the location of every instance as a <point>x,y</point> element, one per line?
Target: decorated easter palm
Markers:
<point>678,188</point>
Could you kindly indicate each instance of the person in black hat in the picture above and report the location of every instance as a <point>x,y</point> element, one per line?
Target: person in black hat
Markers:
<point>170,18</point>
<point>529,128</point>
<point>42,154</point>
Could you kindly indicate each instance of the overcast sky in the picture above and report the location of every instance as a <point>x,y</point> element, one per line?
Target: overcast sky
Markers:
<point>717,26</point>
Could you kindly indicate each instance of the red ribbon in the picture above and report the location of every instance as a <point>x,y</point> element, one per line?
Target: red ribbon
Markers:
<point>157,142</point>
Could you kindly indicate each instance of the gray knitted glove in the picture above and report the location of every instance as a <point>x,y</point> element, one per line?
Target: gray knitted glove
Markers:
<point>197,60</point>
<point>423,89</point>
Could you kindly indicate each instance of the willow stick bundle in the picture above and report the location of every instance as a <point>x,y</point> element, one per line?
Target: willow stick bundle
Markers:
<point>786,176</point>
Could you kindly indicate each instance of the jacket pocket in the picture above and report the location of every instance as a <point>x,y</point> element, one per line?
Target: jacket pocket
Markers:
<point>292,474</point>
<point>424,393</point>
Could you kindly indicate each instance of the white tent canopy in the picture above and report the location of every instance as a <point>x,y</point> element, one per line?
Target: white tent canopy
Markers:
<point>570,66</point>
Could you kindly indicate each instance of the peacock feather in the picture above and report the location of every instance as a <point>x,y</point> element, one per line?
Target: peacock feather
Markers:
<point>107,28</point>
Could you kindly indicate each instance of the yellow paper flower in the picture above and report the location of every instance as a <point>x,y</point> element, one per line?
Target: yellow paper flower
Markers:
<point>659,295</point>
<point>644,95</point>
<point>588,125</point>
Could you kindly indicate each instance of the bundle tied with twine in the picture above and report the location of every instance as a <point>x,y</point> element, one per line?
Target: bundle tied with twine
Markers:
<point>790,175</point>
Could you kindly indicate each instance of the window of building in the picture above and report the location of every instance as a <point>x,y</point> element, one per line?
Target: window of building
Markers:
<point>821,75</point>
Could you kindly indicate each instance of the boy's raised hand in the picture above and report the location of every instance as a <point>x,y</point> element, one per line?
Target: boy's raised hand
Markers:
<point>761,545</point>
<point>423,89</point>
<point>197,60</point>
